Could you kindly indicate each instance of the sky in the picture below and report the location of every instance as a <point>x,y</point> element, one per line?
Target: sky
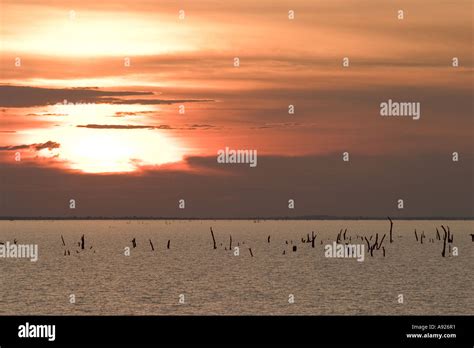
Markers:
<point>124,105</point>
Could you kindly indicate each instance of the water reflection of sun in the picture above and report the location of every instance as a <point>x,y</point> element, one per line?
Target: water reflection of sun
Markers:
<point>93,150</point>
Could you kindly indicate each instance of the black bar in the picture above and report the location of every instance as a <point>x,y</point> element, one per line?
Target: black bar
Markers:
<point>226,330</point>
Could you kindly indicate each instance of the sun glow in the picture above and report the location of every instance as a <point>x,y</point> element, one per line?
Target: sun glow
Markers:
<point>107,151</point>
<point>97,150</point>
<point>95,34</point>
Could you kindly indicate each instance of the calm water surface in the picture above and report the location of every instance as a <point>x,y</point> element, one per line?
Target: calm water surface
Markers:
<point>105,281</point>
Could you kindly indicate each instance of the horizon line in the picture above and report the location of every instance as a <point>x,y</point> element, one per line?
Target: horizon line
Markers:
<point>307,217</point>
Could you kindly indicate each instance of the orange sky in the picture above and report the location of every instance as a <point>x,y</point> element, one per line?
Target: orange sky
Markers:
<point>70,44</point>
<point>75,51</point>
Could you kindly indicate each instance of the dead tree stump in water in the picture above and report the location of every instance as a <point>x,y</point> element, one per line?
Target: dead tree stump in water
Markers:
<point>371,248</point>
<point>391,228</point>
<point>378,245</point>
<point>134,243</point>
<point>152,248</point>
<point>213,239</point>
<point>445,237</point>
<point>313,238</point>
<point>368,243</point>
<point>82,242</point>
<point>251,253</point>
<point>450,236</point>
<point>168,245</point>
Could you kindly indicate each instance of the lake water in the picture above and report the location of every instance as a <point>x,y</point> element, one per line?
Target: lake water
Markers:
<point>215,281</point>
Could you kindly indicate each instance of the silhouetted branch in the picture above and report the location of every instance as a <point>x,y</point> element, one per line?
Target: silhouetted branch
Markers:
<point>445,237</point>
<point>391,227</point>
<point>213,239</point>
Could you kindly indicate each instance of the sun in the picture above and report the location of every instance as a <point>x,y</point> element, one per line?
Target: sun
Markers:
<point>104,150</point>
<point>111,151</point>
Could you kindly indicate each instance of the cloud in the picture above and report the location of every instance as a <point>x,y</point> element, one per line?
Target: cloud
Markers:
<point>162,126</point>
<point>50,145</point>
<point>132,113</point>
<point>198,126</point>
<point>26,96</point>
<point>281,125</point>
<point>154,101</point>
<point>113,126</point>
<point>45,114</point>
<point>320,185</point>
